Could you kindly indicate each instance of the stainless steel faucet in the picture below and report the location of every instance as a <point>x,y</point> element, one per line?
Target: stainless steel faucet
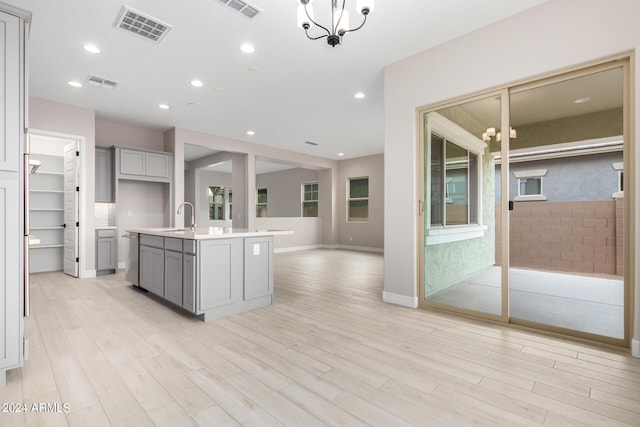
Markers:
<point>193,217</point>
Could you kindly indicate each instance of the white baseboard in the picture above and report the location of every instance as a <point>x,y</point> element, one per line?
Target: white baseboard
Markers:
<point>635,348</point>
<point>121,265</point>
<point>87,274</point>
<point>361,248</point>
<point>296,248</point>
<point>402,300</point>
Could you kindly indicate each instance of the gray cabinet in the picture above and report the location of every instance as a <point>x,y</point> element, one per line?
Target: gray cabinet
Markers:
<point>220,273</point>
<point>258,267</point>
<point>12,250</point>
<point>152,265</point>
<point>189,282</point>
<point>104,175</point>
<point>147,164</point>
<point>173,270</point>
<point>106,251</point>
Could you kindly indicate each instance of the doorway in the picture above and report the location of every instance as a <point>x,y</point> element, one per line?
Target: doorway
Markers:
<point>53,200</point>
<point>536,240</point>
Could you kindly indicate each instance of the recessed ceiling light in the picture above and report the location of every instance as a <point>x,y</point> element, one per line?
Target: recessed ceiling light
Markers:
<point>582,100</point>
<point>163,106</point>
<point>74,83</point>
<point>359,95</point>
<point>340,154</point>
<point>253,69</point>
<point>250,133</point>
<point>91,48</point>
<point>197,83</point>
<point>247,48</point>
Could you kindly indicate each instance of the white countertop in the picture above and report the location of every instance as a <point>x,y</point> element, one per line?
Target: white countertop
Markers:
<point>202,233</point>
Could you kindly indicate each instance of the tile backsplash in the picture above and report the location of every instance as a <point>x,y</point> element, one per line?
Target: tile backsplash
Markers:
<point>105,215</point>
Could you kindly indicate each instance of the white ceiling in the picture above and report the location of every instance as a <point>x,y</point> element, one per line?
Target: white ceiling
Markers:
<point>303,90</point>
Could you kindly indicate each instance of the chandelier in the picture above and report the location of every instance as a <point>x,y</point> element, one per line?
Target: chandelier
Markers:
<point>339,19</point>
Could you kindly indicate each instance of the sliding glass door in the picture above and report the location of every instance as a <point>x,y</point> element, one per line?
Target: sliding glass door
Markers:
<point>522,205</point>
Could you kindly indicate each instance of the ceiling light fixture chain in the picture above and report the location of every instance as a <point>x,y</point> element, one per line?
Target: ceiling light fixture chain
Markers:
<point>339,19</point>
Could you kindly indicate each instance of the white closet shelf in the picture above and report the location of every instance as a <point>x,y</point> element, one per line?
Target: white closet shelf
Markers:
<point>46,210</point>
<point>46,246</point>
<point>41,172</point>
<point>39,153</point>
<point>46,191</point>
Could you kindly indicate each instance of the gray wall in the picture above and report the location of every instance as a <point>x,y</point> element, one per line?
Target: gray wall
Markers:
<point>371,233</point>
<point>283,190</point>
<point>580,178</point>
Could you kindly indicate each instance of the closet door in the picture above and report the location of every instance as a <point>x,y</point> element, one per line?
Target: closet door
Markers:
<point>71,193</point>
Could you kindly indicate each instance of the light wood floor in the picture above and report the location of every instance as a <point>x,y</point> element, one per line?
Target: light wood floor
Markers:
<point>328,352</point>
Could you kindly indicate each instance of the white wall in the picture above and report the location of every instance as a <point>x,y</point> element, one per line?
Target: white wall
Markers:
<point>110,133</point>
<point>556,35</point>
<point>356,234</point>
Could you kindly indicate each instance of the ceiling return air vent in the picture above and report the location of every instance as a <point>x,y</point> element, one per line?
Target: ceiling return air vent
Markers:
<point>101,82</point>
<point>142,25</point>
<point>242,7</point>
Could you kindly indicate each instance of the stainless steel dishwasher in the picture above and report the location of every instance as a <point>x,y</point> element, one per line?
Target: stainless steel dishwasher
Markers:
<point>131,264</point>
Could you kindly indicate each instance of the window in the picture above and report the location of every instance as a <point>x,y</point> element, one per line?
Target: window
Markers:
<point>261,204</point>
<point>530,184</point>
<point>358,199</point>
<point>454,183</point>
<point>216,203</point>
<point>310,199</point>
<point>619,167</point>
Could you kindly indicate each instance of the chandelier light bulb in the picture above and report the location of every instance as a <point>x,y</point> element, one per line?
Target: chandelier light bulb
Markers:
<point>491,132</point>
<point>365,7</point>
<point>341,21</point>
<point>304,13</point>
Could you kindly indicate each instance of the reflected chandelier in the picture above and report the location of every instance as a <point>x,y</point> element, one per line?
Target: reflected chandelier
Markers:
<point>339,19</point>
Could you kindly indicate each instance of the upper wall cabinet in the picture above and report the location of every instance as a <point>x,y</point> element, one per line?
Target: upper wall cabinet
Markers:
<point>144,165</point>
<point>104,176</point>
<point>10,92</point>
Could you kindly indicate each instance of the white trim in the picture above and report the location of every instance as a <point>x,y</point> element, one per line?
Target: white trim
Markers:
<point>567,149</point>
<point>122,265</point>
<point>618,195</point>
<point>635,348</point>
<point>439,235</point>
<point>297,248</point>
<point>403,300</point>
<point>533,173</point>
<point>444,127</point>
<point>87,274</point>
<point>619,166</point>
<point>361,248</point>
<point>530,198</point>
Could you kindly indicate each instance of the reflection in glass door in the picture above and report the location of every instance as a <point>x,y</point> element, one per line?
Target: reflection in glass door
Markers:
<point>566,174</point>
<point>462,267</point>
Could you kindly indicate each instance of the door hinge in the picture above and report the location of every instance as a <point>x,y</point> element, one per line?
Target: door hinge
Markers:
<point>420,207</point>
<point>77,154</point>
<point>77,259</point>
<point>77,224</point>
<point>77,188</point>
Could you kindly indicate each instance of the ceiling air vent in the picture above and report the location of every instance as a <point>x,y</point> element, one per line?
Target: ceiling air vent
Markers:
<point>101,82</point>
<point>311,143</point>
<point>242,7</point>
<point>142,25</point>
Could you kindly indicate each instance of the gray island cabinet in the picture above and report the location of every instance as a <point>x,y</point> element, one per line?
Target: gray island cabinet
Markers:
<point>210,272</point>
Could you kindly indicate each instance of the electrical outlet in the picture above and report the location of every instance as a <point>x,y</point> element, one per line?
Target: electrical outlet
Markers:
<point>256,249</point>
<point>129,213</point>
<point>350,239</point>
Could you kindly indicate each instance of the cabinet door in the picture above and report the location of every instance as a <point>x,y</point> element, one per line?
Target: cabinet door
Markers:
<point>157,165</point>
<point>10,92</point>
<point>152,269</point>
<point>258,267</point>
<point>10,277</point>
<point>132,162</point>
<point>220,265</point>
<point>106,253</point>
<point>173,276</point>
<point>189,282</point>
<point>104,175</point>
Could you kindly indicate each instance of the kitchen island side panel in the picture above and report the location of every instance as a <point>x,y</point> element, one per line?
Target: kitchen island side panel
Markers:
<point>221,273</point>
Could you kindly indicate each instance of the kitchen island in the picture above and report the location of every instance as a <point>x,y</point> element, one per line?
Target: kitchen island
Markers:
<point>211,272</point>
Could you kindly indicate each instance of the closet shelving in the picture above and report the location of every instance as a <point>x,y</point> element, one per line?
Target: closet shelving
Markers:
<point>46,212</point>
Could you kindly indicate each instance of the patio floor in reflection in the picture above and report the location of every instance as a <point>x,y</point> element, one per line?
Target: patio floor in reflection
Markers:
<point>583,303</point>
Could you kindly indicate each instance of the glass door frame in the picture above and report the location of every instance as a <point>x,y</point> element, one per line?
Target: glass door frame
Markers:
<point>626,61</point>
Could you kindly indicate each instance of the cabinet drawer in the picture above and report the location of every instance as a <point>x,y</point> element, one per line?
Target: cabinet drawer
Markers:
<point>189,246</point>
<point>106,233</point>
<point>173,244</point>
<point>154,241</point>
